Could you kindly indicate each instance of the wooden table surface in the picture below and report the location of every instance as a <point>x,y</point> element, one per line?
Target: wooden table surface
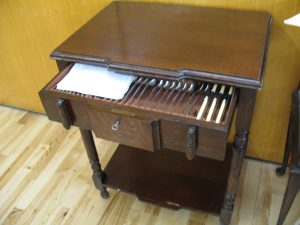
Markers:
<point>175,37</point>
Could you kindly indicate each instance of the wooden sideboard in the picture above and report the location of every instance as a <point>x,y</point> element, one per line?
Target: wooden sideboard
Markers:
<point>166,156</point>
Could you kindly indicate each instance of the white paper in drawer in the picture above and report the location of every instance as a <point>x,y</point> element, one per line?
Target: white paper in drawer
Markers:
<point>95,80</point>
<point>293,21</point>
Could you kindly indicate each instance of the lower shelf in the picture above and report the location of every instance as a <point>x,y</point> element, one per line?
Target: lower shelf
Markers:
<point>168,179</point>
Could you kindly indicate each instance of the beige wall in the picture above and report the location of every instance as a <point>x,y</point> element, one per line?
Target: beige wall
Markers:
<point>29,30</point>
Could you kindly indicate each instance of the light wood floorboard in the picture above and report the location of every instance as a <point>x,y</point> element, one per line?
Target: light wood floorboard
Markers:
<point>45,178</point>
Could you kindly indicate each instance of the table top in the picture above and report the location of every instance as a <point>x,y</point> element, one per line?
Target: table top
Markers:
<point>215,44</point>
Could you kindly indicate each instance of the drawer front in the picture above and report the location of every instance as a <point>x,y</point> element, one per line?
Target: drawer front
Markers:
<point>210,143</point>
<point>121,129</point>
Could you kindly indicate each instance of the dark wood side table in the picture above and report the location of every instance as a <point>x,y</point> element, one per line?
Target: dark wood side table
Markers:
<point>169,42</point>
<point>293,149</point>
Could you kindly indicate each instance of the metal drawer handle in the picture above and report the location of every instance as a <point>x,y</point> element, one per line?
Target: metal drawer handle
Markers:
<point>115,126</point>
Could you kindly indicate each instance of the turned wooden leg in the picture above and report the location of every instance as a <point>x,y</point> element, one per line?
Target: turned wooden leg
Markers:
<point>281,170</point>
<point>239,148</point>
<point>98,174</point>
<point>289,196</point>
<point>243,121</point>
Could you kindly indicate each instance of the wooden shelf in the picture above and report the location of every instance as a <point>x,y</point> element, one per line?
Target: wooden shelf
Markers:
<point>167,178</point>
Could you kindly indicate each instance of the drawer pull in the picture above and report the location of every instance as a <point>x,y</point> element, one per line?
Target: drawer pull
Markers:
<point>63,112</point>
<point>191,142</point>
<point>115,126</point>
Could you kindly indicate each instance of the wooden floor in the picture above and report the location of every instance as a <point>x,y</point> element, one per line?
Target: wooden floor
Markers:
<point>45,178</point>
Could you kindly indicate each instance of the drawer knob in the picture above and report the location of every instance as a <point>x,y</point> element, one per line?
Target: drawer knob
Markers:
<point>191,142</point>
<point>115,126</point>
<point>63,112</point>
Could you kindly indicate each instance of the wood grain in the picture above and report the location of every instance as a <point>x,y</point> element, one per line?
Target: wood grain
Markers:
<point>151,175</point>
<point>56,185</point>
<point>177,38</point>
<point>30,31</point>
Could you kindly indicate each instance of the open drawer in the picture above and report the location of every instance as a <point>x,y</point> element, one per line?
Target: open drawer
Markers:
<point>151,117</point>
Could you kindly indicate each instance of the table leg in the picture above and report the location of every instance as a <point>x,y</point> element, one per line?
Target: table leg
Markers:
<point>98,174</point>
<point>239,148</point>
<point>291,191</point>
<point>288,147</point>
<point>243,122</point>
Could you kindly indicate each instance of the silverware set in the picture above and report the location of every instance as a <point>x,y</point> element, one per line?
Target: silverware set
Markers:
<point>209,106</point>
<point>202,100</point>
<point>180,97</point>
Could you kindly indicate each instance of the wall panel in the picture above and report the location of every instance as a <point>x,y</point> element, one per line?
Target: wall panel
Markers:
<point>29,31</point>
